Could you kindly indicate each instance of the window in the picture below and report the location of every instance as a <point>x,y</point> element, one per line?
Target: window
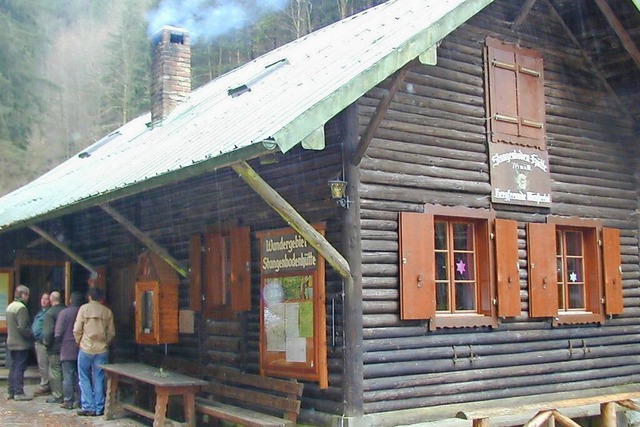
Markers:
<point>220,266</point>
<point>515,94</point>
<point>456,269</point>
<point>565,265</point>
<point>447,270</point>
<point>571,269</point>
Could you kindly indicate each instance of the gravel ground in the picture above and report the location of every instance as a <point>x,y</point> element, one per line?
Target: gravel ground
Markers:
<point>39,413</point>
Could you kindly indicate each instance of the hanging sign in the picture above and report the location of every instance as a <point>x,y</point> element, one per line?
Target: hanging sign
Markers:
<point>519,175</point>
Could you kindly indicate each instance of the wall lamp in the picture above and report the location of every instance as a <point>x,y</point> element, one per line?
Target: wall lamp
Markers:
<point>338,192</point>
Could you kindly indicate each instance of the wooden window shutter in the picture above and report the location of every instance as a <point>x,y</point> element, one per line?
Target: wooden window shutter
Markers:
<point>195,272</point>
<point>516,105</point>
<point>612,271</point>
<point>506,243</point>
<point>543,279</point>
<point>417,266</point>
<point>240,269</point>
<point>503,101</point>
<point>531,107</point>
<point>214,267</point>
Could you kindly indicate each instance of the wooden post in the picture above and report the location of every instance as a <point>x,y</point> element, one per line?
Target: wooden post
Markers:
<point>67,283</point>
<point>145,239</point>
<point>352,305</point>
<point>563,420</point>
<point>289,214</point>
<point>608,414</point>
<point>481,422</point>
<point>540,419</point>
<point>64,248</point>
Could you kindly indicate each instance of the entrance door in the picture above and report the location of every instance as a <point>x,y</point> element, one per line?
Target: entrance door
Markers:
<point>42,272</point>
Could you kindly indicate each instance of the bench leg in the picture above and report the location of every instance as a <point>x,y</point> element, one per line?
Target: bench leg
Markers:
<point>112,391</point>
<point>162,399</point>
<point>189,410</point>
<point>608,414</point>
<point>481,422</point>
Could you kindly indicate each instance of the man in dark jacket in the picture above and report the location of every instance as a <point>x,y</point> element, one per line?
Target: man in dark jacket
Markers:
<point>68,349</point>
<point>19,342</point>
<point>53,350</point>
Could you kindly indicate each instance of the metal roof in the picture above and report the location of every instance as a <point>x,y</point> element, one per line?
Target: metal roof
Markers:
<point>292,92</point>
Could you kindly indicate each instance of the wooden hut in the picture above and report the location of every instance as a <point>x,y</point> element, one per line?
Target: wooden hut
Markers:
<point>485,250</point>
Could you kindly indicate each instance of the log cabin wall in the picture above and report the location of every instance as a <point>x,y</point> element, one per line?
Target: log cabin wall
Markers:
<point>431,148</point>
<point>170,215</point>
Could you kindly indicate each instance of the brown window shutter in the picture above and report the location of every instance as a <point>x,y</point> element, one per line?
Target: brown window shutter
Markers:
<point>214,271</point>
<point>612,271</point>
<point>531,106</point>
<point>506,238</point>
<point>417,266</point>
<point>543,280</point>
<point>240,269</point>
<point>195,272</point>
<point>503,101</point>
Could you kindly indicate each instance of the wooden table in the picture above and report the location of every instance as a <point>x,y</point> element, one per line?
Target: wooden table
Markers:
<point>165,383</point>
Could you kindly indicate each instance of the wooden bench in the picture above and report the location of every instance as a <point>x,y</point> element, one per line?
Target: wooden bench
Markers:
<point>250,400</point>
<point>544,411</point>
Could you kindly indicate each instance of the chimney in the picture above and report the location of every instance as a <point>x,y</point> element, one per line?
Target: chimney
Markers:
<point>171,71</point>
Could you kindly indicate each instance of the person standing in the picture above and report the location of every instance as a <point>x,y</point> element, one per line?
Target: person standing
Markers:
<point>41,350</point>
<point>93,330</point>
<point>53,348</point>
<point>68,349</point>
<point>19,342</point>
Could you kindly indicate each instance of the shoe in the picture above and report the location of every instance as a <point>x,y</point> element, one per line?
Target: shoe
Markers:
<point>54,400</point>
<point>84,413</point>
<point>67,405</point>
<point>22,397</point>
<point>41,391</point>
<point>9,396</point>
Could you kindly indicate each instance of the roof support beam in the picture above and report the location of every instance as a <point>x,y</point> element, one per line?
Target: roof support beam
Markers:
<point>588,60</point>
<point>145,239</point>
<point>522,15</point>
<point>617,26</point>
<point>289,214</point>
<point>383,106</point>
<point>64,248</point>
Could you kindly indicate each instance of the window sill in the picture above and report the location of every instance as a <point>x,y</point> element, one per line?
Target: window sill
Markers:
<point>462,321</point>
<point>577,317</point>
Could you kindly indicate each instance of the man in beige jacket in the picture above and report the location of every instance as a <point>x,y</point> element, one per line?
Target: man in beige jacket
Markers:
<point>93,330</point>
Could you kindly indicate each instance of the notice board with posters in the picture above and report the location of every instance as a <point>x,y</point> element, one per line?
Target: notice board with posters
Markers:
<point>6,295</point>
<point>293,342</point>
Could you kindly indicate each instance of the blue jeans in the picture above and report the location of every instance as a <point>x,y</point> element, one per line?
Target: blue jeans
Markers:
<point>16,371</point>
<point>91,378</point>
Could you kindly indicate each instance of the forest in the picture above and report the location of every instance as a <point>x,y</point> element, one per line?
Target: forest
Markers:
<point>71,71</point>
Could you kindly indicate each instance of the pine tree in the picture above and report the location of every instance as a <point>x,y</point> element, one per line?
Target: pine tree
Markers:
<point>20,54</point>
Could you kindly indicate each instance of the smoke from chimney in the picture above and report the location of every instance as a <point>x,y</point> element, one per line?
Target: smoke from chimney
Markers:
<point>207,19</point>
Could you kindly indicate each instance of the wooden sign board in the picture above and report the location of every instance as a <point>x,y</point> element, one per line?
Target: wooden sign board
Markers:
<point>519,175</point>
<point>292,307</point>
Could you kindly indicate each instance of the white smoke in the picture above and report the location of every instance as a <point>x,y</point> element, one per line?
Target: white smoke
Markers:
<point>207,19</point>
